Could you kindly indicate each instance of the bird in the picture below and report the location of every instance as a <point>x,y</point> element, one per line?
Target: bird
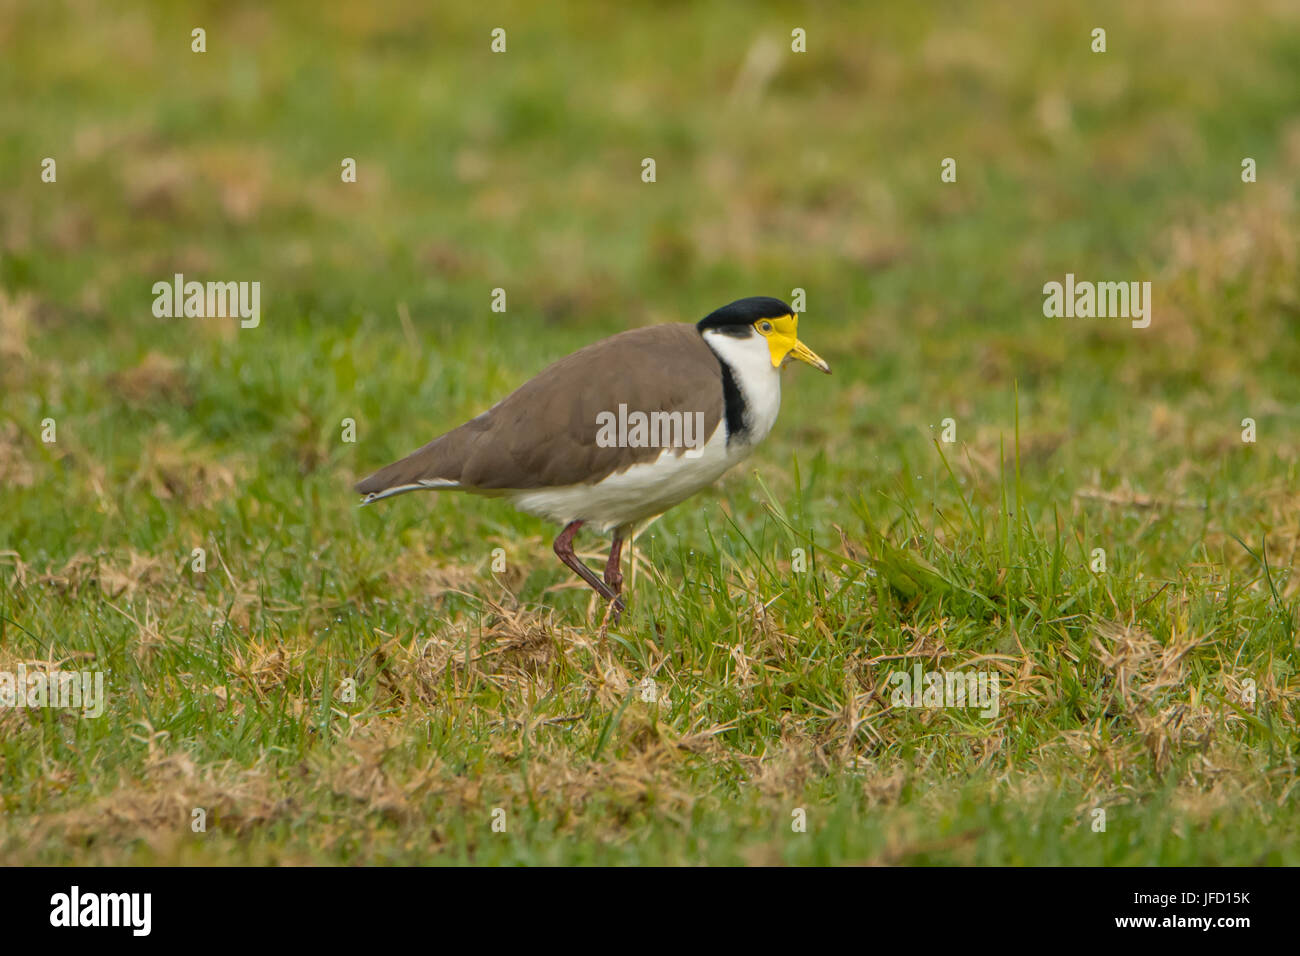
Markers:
<point>615,434</point>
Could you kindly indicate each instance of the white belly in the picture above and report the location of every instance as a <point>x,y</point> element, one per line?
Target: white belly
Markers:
<point>641,492</point>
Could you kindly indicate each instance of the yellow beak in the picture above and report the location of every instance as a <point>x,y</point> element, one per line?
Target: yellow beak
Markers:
<point>804,354</point>
<point>783,343</point>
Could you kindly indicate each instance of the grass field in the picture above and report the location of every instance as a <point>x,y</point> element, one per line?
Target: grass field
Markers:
<point>770,612</point>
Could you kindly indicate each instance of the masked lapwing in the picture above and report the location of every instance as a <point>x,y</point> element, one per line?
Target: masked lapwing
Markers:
<point>619,432</point>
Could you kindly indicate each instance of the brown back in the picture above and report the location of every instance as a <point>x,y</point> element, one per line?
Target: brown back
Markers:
<point>544,433</point>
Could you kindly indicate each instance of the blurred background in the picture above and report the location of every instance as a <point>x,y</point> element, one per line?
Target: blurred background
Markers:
<point>775,170</point>
<point>522,170</point>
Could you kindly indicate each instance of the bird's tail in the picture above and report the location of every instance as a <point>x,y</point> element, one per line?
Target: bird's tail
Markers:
<point>403,489</point>
<point>422,470</point>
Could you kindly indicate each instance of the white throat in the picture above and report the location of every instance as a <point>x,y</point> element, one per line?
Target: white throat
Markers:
<point>758,380</point>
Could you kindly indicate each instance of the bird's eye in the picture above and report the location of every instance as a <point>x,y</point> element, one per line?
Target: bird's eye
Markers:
<point>765,327</point>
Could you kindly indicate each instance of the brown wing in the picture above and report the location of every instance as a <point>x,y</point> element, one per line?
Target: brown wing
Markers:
<point>544,433</point>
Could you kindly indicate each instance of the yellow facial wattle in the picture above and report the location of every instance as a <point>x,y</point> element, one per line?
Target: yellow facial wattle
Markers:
<point>783,342</point>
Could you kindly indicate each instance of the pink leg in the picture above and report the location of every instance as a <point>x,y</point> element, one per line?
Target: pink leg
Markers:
<point>564,551</point>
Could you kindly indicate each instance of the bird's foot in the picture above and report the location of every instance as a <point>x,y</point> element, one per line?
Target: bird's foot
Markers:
<point>613,611</point>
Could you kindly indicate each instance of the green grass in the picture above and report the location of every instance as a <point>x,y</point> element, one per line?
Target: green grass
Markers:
<point>1120,690</point>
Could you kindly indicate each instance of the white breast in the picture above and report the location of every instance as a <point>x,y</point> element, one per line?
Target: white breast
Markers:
<point>641,492</point>
<point>758,380</point>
